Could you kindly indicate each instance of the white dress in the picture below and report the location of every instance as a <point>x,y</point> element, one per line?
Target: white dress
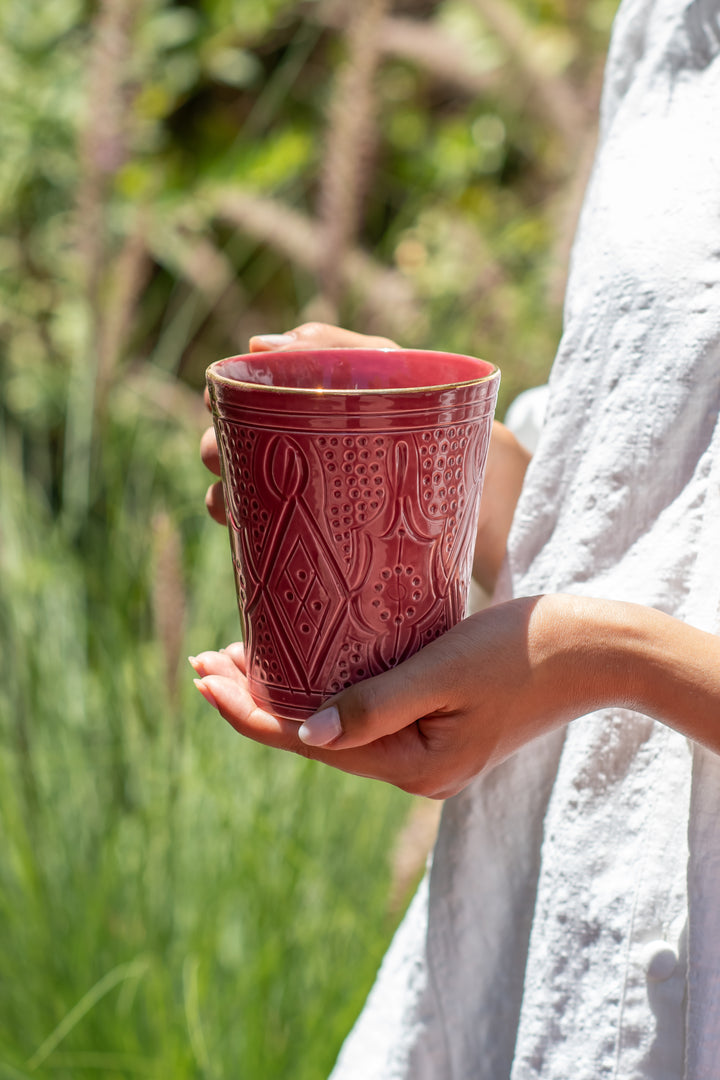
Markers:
<point>569,927</point>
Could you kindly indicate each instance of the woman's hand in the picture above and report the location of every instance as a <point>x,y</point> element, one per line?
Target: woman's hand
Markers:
<point>459,706</point>
<point>308,336</point>
<point>491,685</point>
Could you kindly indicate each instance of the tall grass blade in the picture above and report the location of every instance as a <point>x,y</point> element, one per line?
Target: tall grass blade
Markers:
<point>191,998</point>
<point>349,139</point>
<point>133,970</point>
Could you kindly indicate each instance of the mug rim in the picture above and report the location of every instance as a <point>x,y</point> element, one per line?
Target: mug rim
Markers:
<point>211,373</point>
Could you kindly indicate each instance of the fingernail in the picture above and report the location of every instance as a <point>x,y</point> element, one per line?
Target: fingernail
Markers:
<point>195,664</point>
<point>206,693</point>
<point>322,728</point>
<point>274,339</point>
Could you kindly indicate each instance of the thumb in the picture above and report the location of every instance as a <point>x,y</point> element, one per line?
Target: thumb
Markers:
<point>272,342</point>
<point>380,706</point>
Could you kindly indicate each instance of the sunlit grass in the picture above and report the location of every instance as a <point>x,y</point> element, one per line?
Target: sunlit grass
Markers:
<point>174,902</point>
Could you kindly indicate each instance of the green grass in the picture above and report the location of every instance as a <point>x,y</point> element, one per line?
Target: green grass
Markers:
<point>174,901</point>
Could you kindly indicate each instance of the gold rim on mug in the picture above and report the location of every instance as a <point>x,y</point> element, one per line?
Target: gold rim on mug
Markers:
<point>494,374</point>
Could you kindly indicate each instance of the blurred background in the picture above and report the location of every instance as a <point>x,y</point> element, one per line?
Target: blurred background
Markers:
<point>175,176</point>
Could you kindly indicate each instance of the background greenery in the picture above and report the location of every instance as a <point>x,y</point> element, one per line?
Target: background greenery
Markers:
<point>174,177</point>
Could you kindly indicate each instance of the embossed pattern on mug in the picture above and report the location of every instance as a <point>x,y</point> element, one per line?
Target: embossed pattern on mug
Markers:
<point>311,536</point>
<point>351,549</point>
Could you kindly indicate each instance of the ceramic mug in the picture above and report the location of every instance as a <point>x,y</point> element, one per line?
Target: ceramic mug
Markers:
<point>352,482</point>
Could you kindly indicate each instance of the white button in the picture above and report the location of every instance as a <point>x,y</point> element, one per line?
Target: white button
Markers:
<point>660,961</point>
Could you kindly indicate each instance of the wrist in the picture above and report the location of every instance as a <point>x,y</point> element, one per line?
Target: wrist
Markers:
<point>601,653</point>
<point>593,653</point>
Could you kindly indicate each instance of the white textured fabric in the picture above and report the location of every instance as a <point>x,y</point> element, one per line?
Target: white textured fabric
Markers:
<point>526,416</point>
<point>569,928</point>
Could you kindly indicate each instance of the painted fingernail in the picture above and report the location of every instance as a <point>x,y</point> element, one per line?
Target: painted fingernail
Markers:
<point>274,339</point>
<point>206,693</point>
<point>322,728</point>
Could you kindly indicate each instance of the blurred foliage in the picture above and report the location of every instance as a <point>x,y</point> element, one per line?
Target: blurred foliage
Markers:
<point>125,126</point>
<point>175,177</point>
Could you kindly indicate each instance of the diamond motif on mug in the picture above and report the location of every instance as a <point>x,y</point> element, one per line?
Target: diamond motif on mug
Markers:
<point>309,591</point>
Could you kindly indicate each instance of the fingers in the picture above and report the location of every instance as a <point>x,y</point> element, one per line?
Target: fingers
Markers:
<point>223,684</point>
<point>214,499</point>
<point>415,691</point>
<point>209,451</point>
<point>236,652</point>
<point>229,662</point>
<point>400,759</point>
<point>231,697</point>
<point>316,335</point>
<point>215,503</point>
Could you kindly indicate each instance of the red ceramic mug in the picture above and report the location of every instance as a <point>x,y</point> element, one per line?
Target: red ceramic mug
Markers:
<point>352,481</point>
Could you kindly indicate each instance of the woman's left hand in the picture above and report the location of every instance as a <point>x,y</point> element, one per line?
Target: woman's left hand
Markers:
<point>462,704</point>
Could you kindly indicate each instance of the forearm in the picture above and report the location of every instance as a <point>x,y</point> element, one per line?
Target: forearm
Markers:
<point>504,474</point>
<point>613,653</point>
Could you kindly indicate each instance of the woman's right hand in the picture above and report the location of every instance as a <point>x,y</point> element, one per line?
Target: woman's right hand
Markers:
<point>308,336</point>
